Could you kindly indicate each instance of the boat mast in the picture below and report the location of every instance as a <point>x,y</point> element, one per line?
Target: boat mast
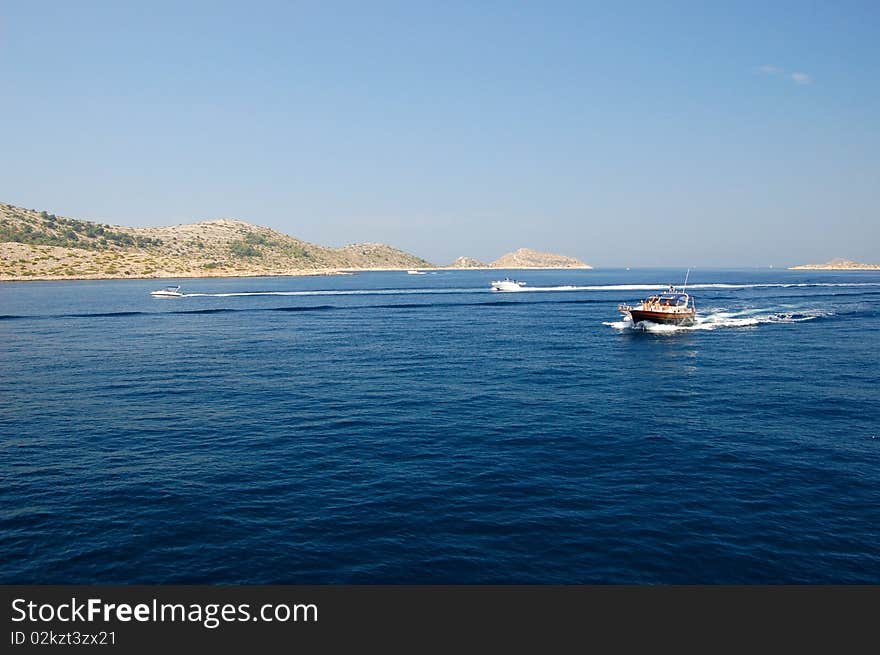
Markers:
<point>685,287</point>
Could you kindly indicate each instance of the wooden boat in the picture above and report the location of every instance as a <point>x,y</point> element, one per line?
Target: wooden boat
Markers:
<point>672,307</point>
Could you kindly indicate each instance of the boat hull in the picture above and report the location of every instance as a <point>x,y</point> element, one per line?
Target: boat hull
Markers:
<point>507,285</point>
<point>663,318</point>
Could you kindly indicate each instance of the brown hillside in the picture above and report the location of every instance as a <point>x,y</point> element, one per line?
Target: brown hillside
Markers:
<point>39,245</point>
<point>528,258</point>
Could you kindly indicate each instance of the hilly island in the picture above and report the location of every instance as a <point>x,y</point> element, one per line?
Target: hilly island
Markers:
<point>38,245</point>
<point>838,264</point>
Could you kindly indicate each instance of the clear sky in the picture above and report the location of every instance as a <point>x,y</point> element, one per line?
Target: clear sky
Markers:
<point>625,134</point>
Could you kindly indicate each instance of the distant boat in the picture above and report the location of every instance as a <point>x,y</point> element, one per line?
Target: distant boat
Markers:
<point>413,272</point>
<point>673,307</point>
<point>167,292</point>
<point>507,285</point>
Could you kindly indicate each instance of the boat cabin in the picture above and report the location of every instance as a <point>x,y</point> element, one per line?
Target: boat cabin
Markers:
<point>667,300</point>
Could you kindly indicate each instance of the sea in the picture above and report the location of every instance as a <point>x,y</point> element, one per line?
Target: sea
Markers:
<point>388,428</point>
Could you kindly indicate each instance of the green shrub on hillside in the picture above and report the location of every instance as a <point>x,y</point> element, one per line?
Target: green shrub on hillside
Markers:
<point>254,239</point>
<point>296,251</point>
<point>243,249</point>
<point>73,234</point>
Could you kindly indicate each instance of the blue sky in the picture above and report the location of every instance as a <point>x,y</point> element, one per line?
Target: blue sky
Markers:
<point>643,134</point>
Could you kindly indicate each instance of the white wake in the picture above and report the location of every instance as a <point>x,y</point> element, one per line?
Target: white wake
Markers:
<point>662,287</point>
<point>525,289</point>
<point>716,319</point>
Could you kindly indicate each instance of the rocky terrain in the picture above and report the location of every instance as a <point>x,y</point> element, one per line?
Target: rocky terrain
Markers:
<point>467,262</point>
<point>527,258</point>
<point>37,245</point>
<point>838,264</point>
<point>40,245</point>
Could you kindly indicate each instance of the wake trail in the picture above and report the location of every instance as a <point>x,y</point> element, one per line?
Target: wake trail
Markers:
<point>662,287</point>
<point>715,319</point>
<point>526,289</point>
<point>332,292</point>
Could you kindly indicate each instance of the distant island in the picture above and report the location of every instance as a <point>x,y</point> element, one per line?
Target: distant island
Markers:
<point>837,264</point>
<point>527,258</point>
<point>522,259</point>
<point>37,245</point>
<point>468,262</point>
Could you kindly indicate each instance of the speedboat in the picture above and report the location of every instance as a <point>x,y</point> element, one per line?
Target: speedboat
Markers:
<point>167,292</point>
<point>507,285</point>
<point>416,272</point>
<point>673,307</point>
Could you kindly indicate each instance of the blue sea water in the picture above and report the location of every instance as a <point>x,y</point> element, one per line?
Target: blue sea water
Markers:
<point>394,428</point>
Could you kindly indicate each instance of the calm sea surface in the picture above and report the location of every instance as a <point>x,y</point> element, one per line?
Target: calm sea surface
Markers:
<point>394,428</point>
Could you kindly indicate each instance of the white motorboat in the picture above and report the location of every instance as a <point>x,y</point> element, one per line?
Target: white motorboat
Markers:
<point>167,292</point>
<point>416,272</point>
<point>507,285</point>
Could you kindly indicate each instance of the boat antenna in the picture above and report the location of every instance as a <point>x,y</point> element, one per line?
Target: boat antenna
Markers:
<point>686,280</point>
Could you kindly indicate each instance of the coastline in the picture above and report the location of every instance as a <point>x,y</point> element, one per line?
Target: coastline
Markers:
<point>181,276</point>
<point>191,275</point>
<point>475,268</point>
<point>46,247</point>
<point>823,267</point>
<point>204,274</point>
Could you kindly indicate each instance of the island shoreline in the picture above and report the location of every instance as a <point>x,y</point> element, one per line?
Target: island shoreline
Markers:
<point>303,273</point>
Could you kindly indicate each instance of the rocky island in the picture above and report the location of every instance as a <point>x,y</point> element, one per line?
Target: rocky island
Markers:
<point>467,262</point>
<point>522,258</point>
<point>37,245</point>
<point>40,245</point>
<point>837,264</point>
<point>528,258</point>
